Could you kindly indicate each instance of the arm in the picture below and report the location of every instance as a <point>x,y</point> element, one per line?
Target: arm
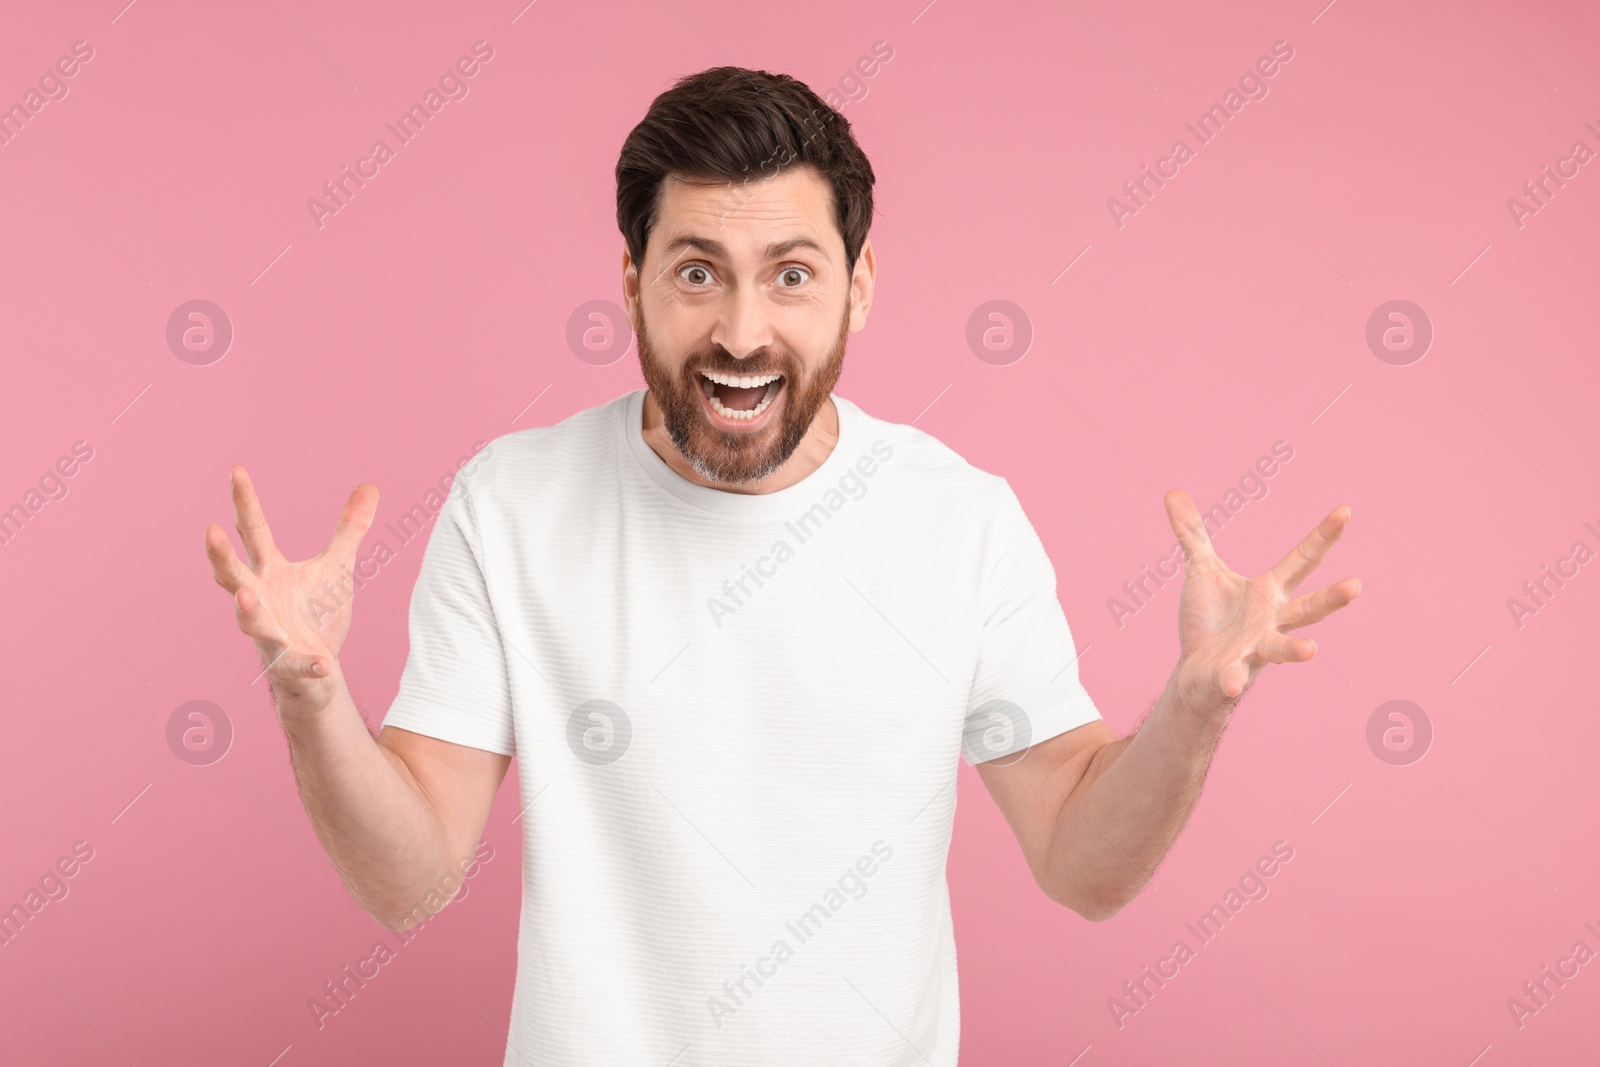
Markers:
<point>398,814</point>
<point>1096,815</point>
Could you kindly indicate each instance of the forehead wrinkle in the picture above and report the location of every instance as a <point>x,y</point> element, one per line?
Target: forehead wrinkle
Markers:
<point>716,214</point>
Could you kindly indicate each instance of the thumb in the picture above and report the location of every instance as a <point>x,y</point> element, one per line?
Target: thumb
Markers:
<point>354,521</point>
<point>1184,517</point>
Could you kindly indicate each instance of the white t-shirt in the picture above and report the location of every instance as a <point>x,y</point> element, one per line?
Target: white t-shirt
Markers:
<point>736,719</point>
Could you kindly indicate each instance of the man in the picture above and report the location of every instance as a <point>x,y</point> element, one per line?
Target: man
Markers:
<point>737,631</point>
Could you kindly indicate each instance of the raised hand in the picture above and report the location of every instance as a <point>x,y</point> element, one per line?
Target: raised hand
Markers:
<point>1230,626</point>
<point>298,613</point>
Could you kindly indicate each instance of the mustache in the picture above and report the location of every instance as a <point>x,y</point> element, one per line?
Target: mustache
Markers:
<point>740,370</point>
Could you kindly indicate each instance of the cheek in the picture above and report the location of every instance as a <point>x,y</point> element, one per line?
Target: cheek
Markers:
<point>817,349</point>
<point>672,351</point>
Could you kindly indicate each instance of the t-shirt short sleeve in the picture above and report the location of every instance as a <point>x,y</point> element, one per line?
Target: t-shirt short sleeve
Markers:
<point>1026,687</point>
<point>455,685</point>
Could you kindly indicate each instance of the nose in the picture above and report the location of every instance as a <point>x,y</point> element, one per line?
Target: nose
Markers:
<point>744,323</point>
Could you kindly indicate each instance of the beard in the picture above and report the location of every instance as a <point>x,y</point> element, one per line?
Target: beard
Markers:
<point>725,456</point>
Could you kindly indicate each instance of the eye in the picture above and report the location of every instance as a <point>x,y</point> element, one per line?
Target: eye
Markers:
<point>787,272</point>
<point>682,271</point>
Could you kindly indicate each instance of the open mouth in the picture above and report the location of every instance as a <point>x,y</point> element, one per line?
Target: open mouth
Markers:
<point>740,398</point>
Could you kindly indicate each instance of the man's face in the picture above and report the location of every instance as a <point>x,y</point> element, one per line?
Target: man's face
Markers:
<point>743,283</point>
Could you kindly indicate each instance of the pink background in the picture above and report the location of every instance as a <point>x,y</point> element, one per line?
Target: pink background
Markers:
<point>1227,314</point>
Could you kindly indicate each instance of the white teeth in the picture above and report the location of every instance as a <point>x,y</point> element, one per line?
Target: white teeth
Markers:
<point>737,382</point>
<point>773,386</point>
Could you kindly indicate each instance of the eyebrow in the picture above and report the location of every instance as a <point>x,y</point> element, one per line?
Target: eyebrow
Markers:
<point>717,249</point>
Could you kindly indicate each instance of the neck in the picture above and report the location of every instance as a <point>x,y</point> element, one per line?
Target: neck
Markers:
<point>815,447</point>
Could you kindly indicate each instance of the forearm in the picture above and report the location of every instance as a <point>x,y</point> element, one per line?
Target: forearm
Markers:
<point>1129,806</point>
<point>373,818</point>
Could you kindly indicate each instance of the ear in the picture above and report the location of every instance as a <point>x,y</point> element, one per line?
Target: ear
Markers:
<point>630,289</point>
<point>862,281</point>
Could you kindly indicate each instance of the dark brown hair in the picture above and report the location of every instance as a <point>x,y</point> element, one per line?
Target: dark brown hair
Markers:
<point>734,124</point>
